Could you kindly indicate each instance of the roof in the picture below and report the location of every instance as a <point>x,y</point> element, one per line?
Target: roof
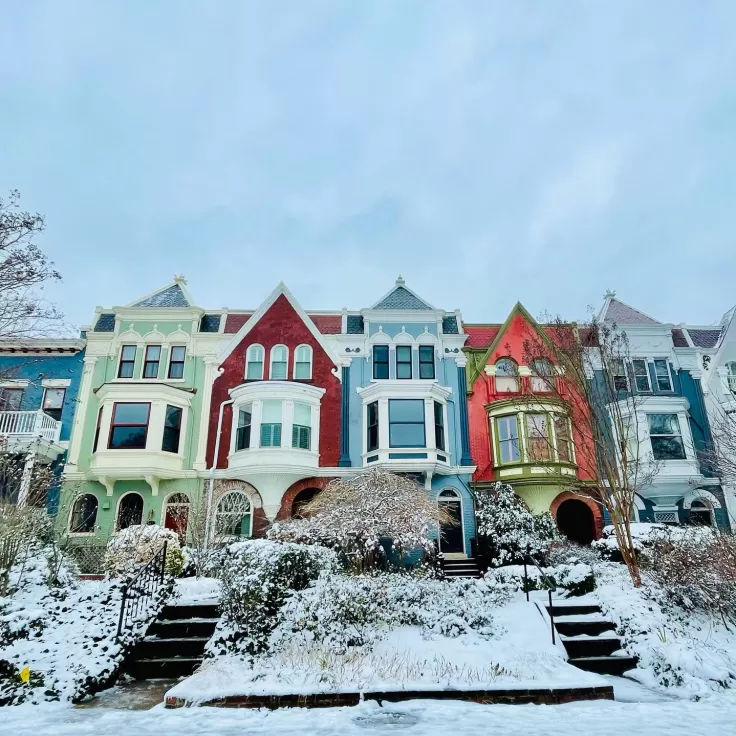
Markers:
<point>622,314</point>
<point>327,324</point>
<point>171,296</point>
<point>105,322</point>
<point>235,321</point>
<point>401,297</point>
<point>679,340</point>
<point>480,336</point>
<point>449,326</point>
<point>209,323</point>
<point>704,338</point>
<point>355,325</point>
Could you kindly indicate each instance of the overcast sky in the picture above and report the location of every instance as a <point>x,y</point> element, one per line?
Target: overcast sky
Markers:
<point>488,151</point>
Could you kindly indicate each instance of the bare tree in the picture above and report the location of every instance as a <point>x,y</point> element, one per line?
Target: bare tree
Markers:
<point>590,376</point>
<point>24,270</point>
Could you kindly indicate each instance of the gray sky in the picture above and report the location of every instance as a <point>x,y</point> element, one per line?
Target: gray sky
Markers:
<point>488,151</point>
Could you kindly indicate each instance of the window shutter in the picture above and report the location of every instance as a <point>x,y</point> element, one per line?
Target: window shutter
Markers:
<point>276,435</point>
<point>295,436</point>
<point>265,435</point>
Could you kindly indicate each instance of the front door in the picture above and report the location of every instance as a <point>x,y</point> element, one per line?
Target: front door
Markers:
<point>451,535</point>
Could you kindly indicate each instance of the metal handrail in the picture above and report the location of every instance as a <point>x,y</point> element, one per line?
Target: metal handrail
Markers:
<point>551,587</point>
<point>141,588</point>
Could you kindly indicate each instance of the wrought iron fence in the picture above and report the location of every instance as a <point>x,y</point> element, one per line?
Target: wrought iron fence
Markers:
<point>139,591</point>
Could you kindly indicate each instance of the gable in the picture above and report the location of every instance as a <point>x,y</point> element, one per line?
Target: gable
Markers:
<point>401,298</point>
<point>171,296</point>
<point>623,314</point>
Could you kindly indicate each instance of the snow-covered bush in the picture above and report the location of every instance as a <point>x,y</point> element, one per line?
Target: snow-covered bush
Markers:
<point>342,611</point>
<point>644,535</point>
<point>256,578</point>
<point>571,553</point>
<point>508,529</point>
<point>21,529</point>
<point>353,516</point>
<point>576,579</point>
<point>138,544</point>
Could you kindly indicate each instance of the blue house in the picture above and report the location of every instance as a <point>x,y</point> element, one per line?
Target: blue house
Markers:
<point>404,402</point>
<point>39,382</point>
<point>663,369</point>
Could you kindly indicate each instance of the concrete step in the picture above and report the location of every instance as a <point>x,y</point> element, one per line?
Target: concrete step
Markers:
<point>183,629</point>
<point>155,648</point>
<point>574,628</point>
<point>162,667</point>
<point>204,610</point>
<point>604,665</point>
<point>600,646</point>
<point>573,609</point>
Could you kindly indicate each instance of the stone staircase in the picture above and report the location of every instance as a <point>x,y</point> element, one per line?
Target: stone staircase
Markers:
<point>174,643</point>
<point>590,640</point>
<point>465,568</point>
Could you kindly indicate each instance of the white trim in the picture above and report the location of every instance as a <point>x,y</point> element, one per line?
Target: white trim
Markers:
<point>18,383</point>
<point>231,492</point>
<point>459,497</point>
<point>167,378</point>
<point>56,382</point>
<point>249,359</point>
<point>702,495</point>
<point>271,362</point>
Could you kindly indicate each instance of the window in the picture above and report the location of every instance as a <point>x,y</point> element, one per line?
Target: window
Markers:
<point>403,361</point>
<point>10,399</point>
<point>130,510</point>
<point>53,402</point>
<point>129,426</point>
<point>508,439</point>
<point>372,409</point>
<point>301,431</point>
<point>380,361</point>
<point>537,437</point>
<point>151,361</point>
<point>426,361</point>
<point>176,361</point>
<point>84,515</point>
<point>172,429</point>
<point>700,513</point>
<point>176,514</point>
<point>564,442</point>
<point>406,423</point>
<point>439,426</point>
<point>662,372</point>
<point>542,375</point>
<point>279,362</point>
<point>665,436</point>
<point>641,375</point>
<point>242,434</point>
<point>731,376</point>
<point>97,430</point>
<point>233,518</point>
<point>507,375</point>
<point>271,424</point>
<point>303,362</point>
<point>617,370</point>
<point>254,363</point>
<point>127,361</point>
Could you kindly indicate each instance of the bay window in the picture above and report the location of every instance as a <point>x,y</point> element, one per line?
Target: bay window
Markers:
<point>507,429</point>
<point>439,426</point>
<point>129,426</point>
<point>172,429</point>
<point>271,424</point>
<point>372,429</point>
<point>301,432</point>
<point>242,436</point>
<point>666,437</point>
<point>538,443</point>
<point>563,439</point>
<point>406,423</point>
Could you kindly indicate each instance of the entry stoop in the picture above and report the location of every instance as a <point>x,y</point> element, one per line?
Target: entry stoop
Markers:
<point>174,643</point>
<point>466,568</point>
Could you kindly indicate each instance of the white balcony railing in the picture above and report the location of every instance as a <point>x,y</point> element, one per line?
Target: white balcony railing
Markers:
<point>28,425</point>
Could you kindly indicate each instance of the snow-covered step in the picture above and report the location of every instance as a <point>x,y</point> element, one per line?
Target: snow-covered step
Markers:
<point>190,611</point>
<point>591,646</point>
<point>611,665</point>
<point>162,667</point>
<point>153,647</point>
<point>193,627</point>
<point>573,609</point>
<point>464,568</point>
<point>592,626</point>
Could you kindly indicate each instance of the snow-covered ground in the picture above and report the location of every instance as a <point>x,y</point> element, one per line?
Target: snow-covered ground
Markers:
<point>196,591</point>
<point>677,718</point>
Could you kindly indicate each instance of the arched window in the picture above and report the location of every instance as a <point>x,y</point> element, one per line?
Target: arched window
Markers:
<point>542,375</point>
<point>279,363</point>
<point>233,517</point>
<point>130,510</point>
<point>254,363</point>
<point>301,500</point>
<point>303,362</point>
<point>452,537</point>
<point>700,513</point>
<point>84,515</point>
<point>176,514</point>
<point>507,375</point>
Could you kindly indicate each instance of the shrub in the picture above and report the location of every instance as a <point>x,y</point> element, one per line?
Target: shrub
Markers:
<point>644,536</point>
<point>137,545</point>
<point>509,528</point>
<point>576,579</point>
<point>570,553</point>
<point>256,577</point>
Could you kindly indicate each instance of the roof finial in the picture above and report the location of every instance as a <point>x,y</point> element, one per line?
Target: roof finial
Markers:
<point>179,279</point>
<point>400,281</point>
<point>610,294</point>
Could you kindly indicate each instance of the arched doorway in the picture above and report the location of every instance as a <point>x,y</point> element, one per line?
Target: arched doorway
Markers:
<point>301,500</point>
<point>452,539</point>
<point>575,521</point>
<point>130,510</point>
<point>176,514</point>
<point>700,513</point>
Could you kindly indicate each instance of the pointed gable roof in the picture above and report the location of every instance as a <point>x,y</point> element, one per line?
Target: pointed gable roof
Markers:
<point>617,311</point>
<point>401,297</point>
<point>253,319</point>
<point>171,295</point>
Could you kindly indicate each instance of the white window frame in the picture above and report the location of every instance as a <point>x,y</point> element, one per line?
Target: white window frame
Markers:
<point>271,361</point>
<point>168,363</point>
<point>515,377</point>
<point>669,373</point>
<point>71,515</point>
<point>249,359</point>
<point>296,360</point>
<point>680,435</point>
<point>648,389</point>
<point>249,535</point>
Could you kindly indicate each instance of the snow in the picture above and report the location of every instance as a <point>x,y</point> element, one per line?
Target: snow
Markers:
<point>196,591</point>
<point>415,718</point>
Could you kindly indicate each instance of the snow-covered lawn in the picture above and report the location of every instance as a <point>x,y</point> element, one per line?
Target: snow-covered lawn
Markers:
<point>677,718</point>
<point>196,591</point>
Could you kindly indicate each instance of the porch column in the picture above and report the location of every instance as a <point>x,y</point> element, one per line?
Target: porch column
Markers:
<point>344,461</point>
<point>462,401</point>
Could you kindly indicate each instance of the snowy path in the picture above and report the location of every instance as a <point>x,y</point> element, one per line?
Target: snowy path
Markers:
<point>674,718</point>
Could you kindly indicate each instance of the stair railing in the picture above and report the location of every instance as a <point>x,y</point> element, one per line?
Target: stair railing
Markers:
<point>547,582</point>
<point>140,589</point>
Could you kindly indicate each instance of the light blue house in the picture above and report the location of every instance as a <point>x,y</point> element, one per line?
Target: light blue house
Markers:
<point>39,382</point>
<point>404,402</point>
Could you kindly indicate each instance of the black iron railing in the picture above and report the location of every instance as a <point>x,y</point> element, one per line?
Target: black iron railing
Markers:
<point>546,582</point>
<point>140,590</point>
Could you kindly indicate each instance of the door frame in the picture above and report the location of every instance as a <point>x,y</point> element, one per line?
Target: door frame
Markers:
<point>457,497</point>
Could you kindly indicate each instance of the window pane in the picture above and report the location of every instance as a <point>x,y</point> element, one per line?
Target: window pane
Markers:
<point>270,435</point>
<point>507,428</point>
<point>380,361</point>
<point>255,352</point>
<point>279,354</point>
<point>153,352</point>
<point>303,354</point>
<point>255,370</point>
<point>173,417</point>
<point>128,352</point>
<point>662,371</point>
<point>562,432</point>
<point>128,438</point>
<point>668,448</point>
<point>170,441</point>
<point>54,398</point>
<point>406,410</point>
<point>302,370</point>
<point>303,414</point>
<point>176,370</point>
<point>178,352</point>
<point>664,424</point>
<point>403,361</point>
<point>300,437</point>
<point>278,370</point>
<point>126,370</point>
<point>505,367</point>
<point>130,414</point>
<point>407,435</point>
<point>641,373</point>
<point>271,411</point>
